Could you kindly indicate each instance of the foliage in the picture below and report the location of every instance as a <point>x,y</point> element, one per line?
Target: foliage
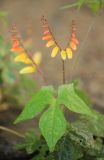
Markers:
<point>9,81</point>
<point>20,92</point>
<point>5,66</point>
<point>35,146</point>
<point>6,75</point>
<point>3,17</point>
<point>79,140</point>
<point>93,5</point>
<point>80,143</point>
<point>52,122</point>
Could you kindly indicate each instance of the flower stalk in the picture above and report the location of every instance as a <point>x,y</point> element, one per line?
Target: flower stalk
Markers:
<point>27,57</point>
<point>63,71</point>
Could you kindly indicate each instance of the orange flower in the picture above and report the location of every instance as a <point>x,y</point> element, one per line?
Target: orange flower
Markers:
<point>23,56</point>
<point>74,41</point>
<point>51,42</point>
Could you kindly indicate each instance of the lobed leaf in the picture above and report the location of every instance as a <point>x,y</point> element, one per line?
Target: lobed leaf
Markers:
<point>52,124</point>
<point>68,97</point>
<point>95,125</point>
<point>67,150</point>
<point>38,102</point>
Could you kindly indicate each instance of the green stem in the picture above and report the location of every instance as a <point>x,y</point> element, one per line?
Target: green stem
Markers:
<point>33,62</point>
<point>82,46</point>
<point>63,79</point>
<point>63,71</point>
<point>70,6</point>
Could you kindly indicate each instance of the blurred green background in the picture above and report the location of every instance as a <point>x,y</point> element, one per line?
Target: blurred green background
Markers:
<point>87,64</point>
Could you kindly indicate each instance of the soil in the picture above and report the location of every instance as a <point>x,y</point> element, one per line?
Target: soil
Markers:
<point>8,140</point>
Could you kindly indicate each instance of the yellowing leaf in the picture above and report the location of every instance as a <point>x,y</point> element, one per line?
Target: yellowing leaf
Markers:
<point>63,54</point>
<point>69,53</point>
<point>37,57</point>
<point>50,43</point>
<point>54,51</point>
<point>23,58</point>
<point>27,70</point>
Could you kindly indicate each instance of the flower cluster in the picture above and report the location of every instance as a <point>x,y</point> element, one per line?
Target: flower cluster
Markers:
<point>48,36</point>
<point>22,55</point>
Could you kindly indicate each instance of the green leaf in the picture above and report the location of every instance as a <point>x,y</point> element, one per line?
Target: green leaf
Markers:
<point>67,150</point>
<point>3,14</point>
<point>8,76</point>
<point>30,143</point>
<point>81,134</point>
<point>70,5</point>
<point>38,102</point>
<point>1,39</point>
<point>52,124</point>
<point>94,125</point>
<point>94,5</point>
<point>84,97</point>
<point>68,97</point>
<point>81,93</point>
<point>81,2</point>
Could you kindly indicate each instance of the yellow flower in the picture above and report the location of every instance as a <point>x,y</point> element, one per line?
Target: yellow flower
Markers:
<point>37,57</point>
<point>29,69</point>
<point>69,53</point>
<point>23,58</point>
<point>54,51</point>
<point>50,43</point>
<point>63,54</point>
<point>33,61</point>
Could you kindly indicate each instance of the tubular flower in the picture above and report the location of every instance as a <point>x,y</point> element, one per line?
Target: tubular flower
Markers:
<point>74,41</point>
<point>51,42</point>
<point>22,54</point>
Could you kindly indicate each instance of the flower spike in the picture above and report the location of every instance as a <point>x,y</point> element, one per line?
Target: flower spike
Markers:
<point>22,55</point>
<point>51,42</point>
<point>74,41</point>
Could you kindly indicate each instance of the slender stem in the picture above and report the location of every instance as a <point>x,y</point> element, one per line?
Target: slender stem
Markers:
<point>63,79</point>
<point>28,53</point>
<point>63,71</point>
<point>45,23</point>
<point>82,46</point>
<point>33,62</point>
<point>12,131</point>
<point>69,6</point>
